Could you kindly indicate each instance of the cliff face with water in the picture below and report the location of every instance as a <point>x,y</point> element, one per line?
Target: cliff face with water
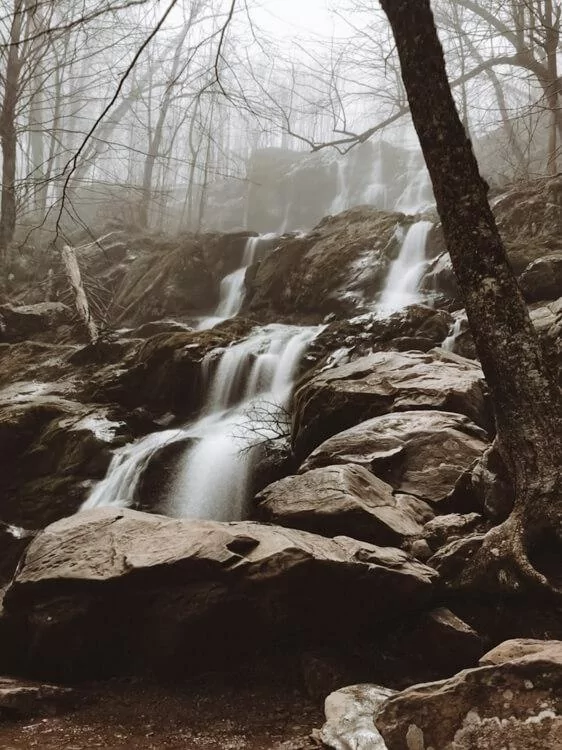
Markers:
<point>282,444</point>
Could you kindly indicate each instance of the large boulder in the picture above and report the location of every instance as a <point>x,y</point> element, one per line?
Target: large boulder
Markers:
<point>339,267</point>
<point>113,591</point>
<point>514,699</point>
<point>421,453</point>
<point>386,382</point>
<point>542,279</point>
<point>22,322</point>
<point>342,500</point>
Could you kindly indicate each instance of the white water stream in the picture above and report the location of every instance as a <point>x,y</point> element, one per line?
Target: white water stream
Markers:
<point>401,288</point>
<point>233,287</point>
<point>251,385</point>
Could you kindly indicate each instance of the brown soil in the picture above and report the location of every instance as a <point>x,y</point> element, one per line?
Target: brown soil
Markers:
<point>212,712</point>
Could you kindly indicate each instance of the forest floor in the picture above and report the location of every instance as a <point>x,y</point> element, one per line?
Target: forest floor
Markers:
<point>213,712</point>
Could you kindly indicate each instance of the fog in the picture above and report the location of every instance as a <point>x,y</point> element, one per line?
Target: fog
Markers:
<point>175,116</point>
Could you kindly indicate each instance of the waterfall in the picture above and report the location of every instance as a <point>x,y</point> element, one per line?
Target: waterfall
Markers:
<point>449,342</point>
<point>401,288</point>
<point>418,194</point>
<point>250,387</point>
<point>232,288</point>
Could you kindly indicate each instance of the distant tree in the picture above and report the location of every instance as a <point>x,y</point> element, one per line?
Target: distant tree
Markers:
<point>524,393</point>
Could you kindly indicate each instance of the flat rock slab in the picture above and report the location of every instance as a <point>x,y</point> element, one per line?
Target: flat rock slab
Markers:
<point>421,453</point>
<point>336,500</point>
<point>387,382</point>
<point>111,591</point>
<point>513,700</point>
<point>26,698</point>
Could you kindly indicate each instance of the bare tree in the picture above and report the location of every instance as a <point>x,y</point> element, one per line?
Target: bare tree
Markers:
<point>525,394</point>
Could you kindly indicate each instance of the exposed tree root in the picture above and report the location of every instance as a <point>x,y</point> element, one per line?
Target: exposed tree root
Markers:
<point>504,564</point>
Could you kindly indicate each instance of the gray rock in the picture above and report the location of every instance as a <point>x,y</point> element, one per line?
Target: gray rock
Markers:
<point>542,279</point>
<point>421,453</point>
<point>339,500</point>
<point>21,322</point>
<point>110,591</point>
<point>513,700</point>
<point>382,383</point>
<point>350,714</point>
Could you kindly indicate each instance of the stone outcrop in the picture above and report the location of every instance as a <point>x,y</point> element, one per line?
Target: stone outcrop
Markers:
<point>416,327</point>
<point>109,592</point>
<point>346,500</point>
<point>514,699</point>
<point>421,453</point>
<point>339,267</point>
<point>386,382</point>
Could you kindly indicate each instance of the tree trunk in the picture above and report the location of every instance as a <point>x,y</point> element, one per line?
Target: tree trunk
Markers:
<point>524,393</point>
<point>8,133</point>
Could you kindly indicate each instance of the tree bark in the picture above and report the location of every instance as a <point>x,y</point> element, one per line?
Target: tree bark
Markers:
<point>524,393</point>
<point>8,132</point>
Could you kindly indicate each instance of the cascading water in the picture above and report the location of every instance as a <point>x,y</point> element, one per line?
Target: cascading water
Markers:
<point>401,288</point>
<point>449,342</point>
<point>232,288</point>
<point>251,385</point>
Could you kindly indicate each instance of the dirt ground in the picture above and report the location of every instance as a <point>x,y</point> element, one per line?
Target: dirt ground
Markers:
<point>211,712</point>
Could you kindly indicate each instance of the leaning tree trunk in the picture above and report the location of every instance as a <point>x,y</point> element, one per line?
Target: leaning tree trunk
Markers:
<point>524,393</point>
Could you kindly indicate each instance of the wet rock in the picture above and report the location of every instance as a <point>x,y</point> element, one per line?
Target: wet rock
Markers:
<point>416,327</point>
<point>26,699</point>
<point>52,448</point>
<point>338,267</point>
<point>164,375</point>
<point>21,322</point>
<point>157,327</point>
<point>529,217</point>
<point>514,699</point>
<point>339,500</point>
<point>542,279</point>
<point>386,382</point>
<point>420,453</point>
<point>175,277</point>
<point>350,714</point>
<point>113,592</point>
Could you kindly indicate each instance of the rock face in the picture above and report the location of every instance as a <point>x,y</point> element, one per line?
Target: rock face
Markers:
<point>341,500</point>
<point>339,267</point>
<point>386,382</point>
<point>107,592</point>
<point>421,453</point>
<point>179,277</point>
<point>513,699</point>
